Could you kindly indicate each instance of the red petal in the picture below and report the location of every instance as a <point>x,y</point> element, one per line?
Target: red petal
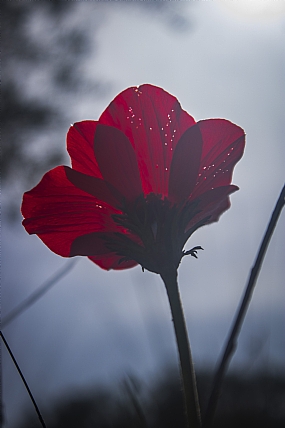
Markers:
<point>58,212</point>
<point>113,262</point>
<point>153,121</point>
<point>185,165</point>
<point>223,146</point>
<point>117,161</point>
<point>80,146</point>
<point>212,204</point>
<point>94,186</point>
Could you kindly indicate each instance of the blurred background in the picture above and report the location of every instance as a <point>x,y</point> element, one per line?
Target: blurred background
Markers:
<point>100,340</point>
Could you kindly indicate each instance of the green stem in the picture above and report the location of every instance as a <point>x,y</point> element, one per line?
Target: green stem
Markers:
<point>186,364</point>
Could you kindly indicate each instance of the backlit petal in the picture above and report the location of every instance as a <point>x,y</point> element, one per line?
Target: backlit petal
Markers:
<point>58,212</point>
<point>212,204</point>
<point>153,121</point>
<point>80,146</point>
<point>223,146</point>
<point>185,165</point>
<point>117,161</point>
<point>97,187</point>
<point>113,262</point>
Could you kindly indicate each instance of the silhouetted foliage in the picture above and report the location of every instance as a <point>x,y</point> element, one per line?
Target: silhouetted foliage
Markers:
<point>42,54</point>
<point>253,402</point>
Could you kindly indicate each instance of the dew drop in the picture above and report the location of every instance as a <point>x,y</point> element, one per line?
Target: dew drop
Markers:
<point>165,144</point>
<point>166,169</point>
<point>150,129</point>
<point>156,165</point>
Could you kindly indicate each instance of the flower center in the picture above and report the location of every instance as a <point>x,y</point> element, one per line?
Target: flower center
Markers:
<point>155,232</point>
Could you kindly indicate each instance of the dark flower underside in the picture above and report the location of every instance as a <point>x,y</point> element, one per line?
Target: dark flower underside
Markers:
<point>161,228</point>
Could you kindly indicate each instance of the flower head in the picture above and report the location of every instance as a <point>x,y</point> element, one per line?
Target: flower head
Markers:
<point>144,177</point>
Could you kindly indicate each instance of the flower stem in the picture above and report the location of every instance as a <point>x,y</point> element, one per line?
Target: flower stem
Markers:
<point>186,364</point>
<point>232,340</point>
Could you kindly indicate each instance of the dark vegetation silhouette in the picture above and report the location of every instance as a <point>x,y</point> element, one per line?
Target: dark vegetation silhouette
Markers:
<point>41,75</point>
<point>246,402</point>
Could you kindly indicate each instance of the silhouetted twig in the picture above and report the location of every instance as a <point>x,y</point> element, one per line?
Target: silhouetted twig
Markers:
<point>24,381</point>
<point>232,340</point>
<point>42,289</point>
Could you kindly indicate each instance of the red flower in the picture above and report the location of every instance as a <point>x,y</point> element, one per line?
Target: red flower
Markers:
<point>143,179</point>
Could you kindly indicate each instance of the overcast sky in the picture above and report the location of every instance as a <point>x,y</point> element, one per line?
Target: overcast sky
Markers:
<point>94,326</point>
